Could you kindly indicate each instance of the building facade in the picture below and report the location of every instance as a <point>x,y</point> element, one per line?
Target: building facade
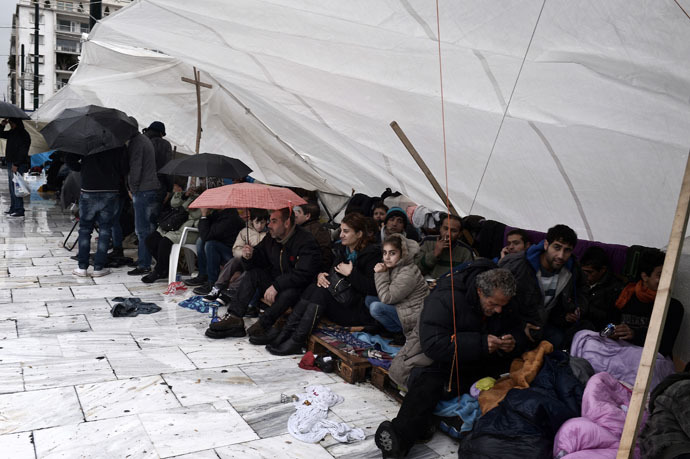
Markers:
<point>61,25</point>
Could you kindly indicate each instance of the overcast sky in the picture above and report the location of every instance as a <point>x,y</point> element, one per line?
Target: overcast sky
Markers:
<point>7,9</point>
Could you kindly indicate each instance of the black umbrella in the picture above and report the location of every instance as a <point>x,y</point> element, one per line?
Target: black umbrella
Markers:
<point>89,129</point>
<point>8,110</point>
<point>207,165</point>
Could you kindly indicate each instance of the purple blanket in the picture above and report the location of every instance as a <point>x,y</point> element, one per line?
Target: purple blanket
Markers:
<point>617,357</point>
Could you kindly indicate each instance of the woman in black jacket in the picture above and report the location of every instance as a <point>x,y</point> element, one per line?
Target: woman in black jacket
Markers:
<point>354,262</point>
<point>17,156</point>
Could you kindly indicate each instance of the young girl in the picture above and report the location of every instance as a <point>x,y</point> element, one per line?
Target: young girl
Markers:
<point>400,286</point>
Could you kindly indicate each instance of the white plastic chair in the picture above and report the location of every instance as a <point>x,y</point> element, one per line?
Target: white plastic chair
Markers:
<point>190,253</point>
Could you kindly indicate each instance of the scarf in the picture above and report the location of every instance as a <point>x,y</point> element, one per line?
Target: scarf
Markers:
<point>350,255</point>
<point>642,293</point>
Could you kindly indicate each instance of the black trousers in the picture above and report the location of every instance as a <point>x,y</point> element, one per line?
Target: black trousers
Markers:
<point>259,280</point>
<point>159,248</point>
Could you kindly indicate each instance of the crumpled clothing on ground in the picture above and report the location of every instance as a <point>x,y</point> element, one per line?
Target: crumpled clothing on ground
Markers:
<point>467,409</point>
<point>132,307</point>
<point>175,288</point>
<point>310,424</point>
<point>196,303</point>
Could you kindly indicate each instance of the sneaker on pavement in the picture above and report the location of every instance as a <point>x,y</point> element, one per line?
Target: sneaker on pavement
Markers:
<point>230,333</point>
<point>151,277</point>
<point>212,295</point>
<point>101,272</point>
<point>203,289</point>
<point>16,215</point>
<point>195,281</point>
<point>387,441</point>
<point>80,272</point>
<point>139,271</point>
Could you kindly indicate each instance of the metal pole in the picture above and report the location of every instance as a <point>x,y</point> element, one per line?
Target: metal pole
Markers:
<point>36,20</point>
<point>22,89</point>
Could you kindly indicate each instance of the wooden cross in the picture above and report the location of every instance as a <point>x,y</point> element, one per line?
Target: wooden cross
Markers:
<point>197,82</point>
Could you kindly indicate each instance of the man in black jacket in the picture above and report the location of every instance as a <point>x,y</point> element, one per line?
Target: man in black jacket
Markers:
<point>280,267</point>
<point>17,156</point>
<point>217,233</point>
<point>482,343</point>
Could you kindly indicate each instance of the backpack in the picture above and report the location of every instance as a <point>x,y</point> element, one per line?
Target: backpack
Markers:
<point>171,219</point>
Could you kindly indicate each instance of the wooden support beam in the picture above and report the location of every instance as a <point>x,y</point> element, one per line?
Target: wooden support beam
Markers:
<point>422,165</point>
<point>198,83</point>
<point>657,321</point>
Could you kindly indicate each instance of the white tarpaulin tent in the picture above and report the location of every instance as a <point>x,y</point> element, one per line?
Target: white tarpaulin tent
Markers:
<point>571,112</point>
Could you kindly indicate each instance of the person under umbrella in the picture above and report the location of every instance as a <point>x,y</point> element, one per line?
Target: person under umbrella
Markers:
<point>18,143</point>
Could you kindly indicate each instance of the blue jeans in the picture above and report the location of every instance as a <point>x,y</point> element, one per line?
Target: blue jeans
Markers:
<point>95,208</point>
<point>16,203</point>
<point>210,255</point>
<point>146,207</point>
<point>117,228</point>
<point>384,313</point>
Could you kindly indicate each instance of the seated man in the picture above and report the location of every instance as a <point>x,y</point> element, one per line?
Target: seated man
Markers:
<point>217,233</point>
<point>487,339</point>
<point>634,306</point>
<point>516,241</point>
<point>307,216</point>
<point>396,222</point>
<point>434,257</point>
<point>550,287</point>
<point>603,287</point>
<point>280,267</point>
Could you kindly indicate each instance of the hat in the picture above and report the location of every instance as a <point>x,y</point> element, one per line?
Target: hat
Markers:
<point>396,212</point>
<point>157,126</point>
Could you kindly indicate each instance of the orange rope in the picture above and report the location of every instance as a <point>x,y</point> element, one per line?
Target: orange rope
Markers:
<point>445,166</point>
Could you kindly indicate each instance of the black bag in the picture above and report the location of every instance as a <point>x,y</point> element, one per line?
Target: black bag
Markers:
<point>340,287</point>
<point>173,218</point>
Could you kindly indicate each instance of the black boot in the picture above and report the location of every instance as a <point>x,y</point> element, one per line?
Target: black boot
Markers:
<point>291,324</point>
<point>298,338</point>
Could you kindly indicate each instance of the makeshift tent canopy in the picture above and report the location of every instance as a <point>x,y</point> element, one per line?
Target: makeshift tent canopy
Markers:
<point>572,112</point>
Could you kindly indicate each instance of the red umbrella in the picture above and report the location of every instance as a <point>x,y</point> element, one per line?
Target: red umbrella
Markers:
<point>247,195</point>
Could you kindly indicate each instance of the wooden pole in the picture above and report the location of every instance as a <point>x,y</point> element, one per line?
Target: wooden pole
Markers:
<point>198,83</point>
<point>422,165</point>
<point>657,321</point>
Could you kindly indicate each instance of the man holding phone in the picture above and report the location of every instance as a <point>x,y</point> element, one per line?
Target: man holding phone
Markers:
<point>436,252</point>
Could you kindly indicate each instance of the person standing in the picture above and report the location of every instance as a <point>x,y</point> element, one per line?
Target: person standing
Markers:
<point>101,175</point>
<point>163,151</point>
<point>17,155</point>
<point>143,186</point>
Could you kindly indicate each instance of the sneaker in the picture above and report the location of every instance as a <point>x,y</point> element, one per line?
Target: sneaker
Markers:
<point>230,333</point>
<point>212,295</point>
<point>100,272</point>
<point>196,281</point>
<point>203,289</point>
<point>9,211</point>
<point>228,321</point>
<point>16,215</point>
<point>80,272</point>
<point>387,441</point>
<point>139,271</point>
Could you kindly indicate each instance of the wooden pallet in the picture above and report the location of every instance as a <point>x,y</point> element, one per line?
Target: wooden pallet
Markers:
<point>383,382</point>
<point>352,368</point>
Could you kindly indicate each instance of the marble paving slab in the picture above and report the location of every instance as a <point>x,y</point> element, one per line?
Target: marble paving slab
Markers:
<point>42,294</point>
<point>171,335</point>
<point>28,253</point>
<point>100,291</point>
<point>118,276</point>
<point>206,454</point>
<point>360,400</point>
<point>5,295</point>
<point>40,326</point>
<point>193,428</point>
<point>125,397</point>
<point>265,413</point>
<point>18,282</point>
<point>105,322</point>
<point>141,289</point>
<point>147,362</point>
<point>8,329</point>
<point>123,437</point>
<point>95,343</point>
<point>23,310</point>
<point>66,372</point>
<point>284,376</point>
<point>51,261</point>
<point>28,271</point>
<point>63,280</point>
<point>230,351</point>
<point>11,378</point>
<point>74,306</point>
<point>4,262</point>
<point>284,447</point>
<point>12,246</point>
<point>207,386</point>
<point>17,446</point>
<point>29,349</point>
<point>39,409</point>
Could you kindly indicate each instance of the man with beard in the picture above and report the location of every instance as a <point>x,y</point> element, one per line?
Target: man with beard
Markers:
<point>550,287</point>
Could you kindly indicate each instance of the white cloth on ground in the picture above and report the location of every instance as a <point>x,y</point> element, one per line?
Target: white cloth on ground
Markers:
<point>310,424</point>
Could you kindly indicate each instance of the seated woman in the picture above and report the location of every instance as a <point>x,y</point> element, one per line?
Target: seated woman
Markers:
<point>160,242</point>
<point>233,269</point>
<point>354,261</point>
